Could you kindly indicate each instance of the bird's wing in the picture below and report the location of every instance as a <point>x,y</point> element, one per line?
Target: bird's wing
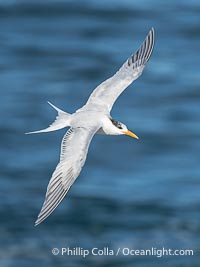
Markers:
<point>74,150</point>
<point>108,91</point>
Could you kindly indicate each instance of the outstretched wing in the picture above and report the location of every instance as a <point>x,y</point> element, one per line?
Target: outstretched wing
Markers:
<point>74,150</point>
<point>107,92</point>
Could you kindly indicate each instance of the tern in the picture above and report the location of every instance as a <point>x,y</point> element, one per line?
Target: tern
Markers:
<point>93,118</point>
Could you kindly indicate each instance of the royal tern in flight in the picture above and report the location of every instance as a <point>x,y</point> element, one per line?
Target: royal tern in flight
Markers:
<point>94,117</point>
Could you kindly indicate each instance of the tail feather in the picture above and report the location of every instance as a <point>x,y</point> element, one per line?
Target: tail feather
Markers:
<point>57,109</point>
<point>62,120</point>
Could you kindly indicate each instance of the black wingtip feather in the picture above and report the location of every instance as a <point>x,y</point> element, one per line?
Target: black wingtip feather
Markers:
<point>142,55</point>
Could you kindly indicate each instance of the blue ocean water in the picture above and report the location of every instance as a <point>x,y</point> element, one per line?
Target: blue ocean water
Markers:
<point>135,194</point>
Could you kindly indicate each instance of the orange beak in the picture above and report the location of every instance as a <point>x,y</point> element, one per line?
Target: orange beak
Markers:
<point>131,134</point>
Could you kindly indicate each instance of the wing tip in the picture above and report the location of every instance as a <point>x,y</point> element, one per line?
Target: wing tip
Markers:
<point>36,223</point>
<point>40,219</point>
<point>151,40</point>
<point>152,30</point>
<point>142,55</point>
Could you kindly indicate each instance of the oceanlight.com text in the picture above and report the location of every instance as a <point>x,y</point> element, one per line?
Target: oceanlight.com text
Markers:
<point>106,251</point>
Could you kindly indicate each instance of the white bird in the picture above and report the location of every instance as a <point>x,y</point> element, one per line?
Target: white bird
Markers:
<point>94,117</point>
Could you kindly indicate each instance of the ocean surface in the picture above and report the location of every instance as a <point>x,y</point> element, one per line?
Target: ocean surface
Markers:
<point>131,194</point>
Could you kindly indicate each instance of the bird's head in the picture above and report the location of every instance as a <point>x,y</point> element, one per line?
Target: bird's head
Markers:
<point>121,128</point>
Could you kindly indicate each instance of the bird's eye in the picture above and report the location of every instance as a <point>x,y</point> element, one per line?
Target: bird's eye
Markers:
<point>117,124</point>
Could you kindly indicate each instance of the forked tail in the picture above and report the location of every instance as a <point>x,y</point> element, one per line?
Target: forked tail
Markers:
<point>62,120</point>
